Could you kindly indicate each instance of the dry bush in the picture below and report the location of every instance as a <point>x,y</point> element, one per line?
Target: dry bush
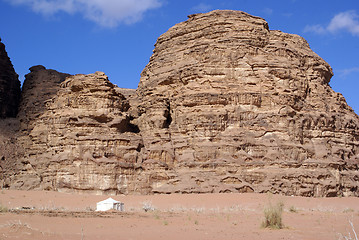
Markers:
<point>147,206</point>
<point>3,208</point>
<point>293,209</point>
<point>273,216</point>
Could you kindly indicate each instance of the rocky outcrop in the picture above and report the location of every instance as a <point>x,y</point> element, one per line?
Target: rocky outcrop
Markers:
<point>9,86</point>
<point>224,105</point>
<point>232,106</point>
<point>9,125</point>
<point>40,86</point>
<point>76,132</point>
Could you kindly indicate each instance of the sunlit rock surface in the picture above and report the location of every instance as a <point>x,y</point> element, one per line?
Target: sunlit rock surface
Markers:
<point>224,105</point>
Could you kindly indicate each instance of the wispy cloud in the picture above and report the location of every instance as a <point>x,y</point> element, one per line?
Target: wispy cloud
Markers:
<point>343,73</point>
<point>344,21</point>
<point>202,7</point>
<point>107,13</point>
<point>267,11</point>
<point>319,29</point>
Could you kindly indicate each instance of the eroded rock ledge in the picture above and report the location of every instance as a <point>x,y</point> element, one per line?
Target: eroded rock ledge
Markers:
<point>224,105</point>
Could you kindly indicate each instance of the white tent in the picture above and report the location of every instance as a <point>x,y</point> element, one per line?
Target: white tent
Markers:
<point>108,204</point>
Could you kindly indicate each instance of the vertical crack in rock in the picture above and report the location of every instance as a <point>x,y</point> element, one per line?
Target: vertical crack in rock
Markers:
<point>167,115</point>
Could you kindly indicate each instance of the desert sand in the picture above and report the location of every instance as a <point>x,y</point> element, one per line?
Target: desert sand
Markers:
<point>54,215</point>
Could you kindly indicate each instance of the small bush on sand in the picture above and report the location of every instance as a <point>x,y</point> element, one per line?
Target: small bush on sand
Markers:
<point>273,216</point>
<point>348,210</point>
<point>3,208</point>
<point>292,209</point>
<point>147,206</point>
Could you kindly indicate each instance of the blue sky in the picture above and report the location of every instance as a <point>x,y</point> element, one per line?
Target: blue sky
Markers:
<point>117,36</point>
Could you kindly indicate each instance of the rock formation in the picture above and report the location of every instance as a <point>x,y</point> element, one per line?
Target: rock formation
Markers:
<point>237,107</point>
<point>9,86</point>
<point>224,105</point>
<point>9,101</point>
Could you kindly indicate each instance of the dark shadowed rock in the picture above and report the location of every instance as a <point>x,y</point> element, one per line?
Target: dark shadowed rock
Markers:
<point>10,151</point>
<point>9,86</point>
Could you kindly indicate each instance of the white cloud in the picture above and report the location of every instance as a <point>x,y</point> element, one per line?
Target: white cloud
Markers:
<point>343,73</point>
<point>315,28</point>
<point>202,7</point>
<point>107,13</point>
<point>46,7</point>
<point>344,21</point>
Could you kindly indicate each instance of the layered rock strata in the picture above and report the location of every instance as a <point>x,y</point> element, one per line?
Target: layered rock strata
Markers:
<point>224,105</point>
<point>76,132</point>
<point>230,105</point>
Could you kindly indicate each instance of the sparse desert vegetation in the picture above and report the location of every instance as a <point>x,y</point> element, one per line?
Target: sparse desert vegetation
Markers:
<point>273,216</point>
<point>147,206</point>
<point>3,208</point>
<point>53,215</point>
<point>293,209</point>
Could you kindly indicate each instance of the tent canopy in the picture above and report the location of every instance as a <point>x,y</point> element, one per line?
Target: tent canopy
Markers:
<point>109,200</point>
<point>109,204</point>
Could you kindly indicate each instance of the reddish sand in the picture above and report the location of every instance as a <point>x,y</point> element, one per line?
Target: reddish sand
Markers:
<point>54,215</point>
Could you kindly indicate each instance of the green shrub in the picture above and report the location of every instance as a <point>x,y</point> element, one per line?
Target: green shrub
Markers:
<point>273,216</point>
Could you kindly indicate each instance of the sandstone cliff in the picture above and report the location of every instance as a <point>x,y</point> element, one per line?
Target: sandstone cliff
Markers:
<point>9,86</point>
<point>237,107</point>
<point>224,105</point>
<point>9,102</point>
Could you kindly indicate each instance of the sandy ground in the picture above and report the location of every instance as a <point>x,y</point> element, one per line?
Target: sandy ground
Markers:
<point>53,215</point>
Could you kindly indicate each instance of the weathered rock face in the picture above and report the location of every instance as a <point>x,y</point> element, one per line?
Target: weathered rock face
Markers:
<point>76,132</point>
<point>9,86</point>
<point>231,106</point>
<point>9,101</point>
<point>224,105</point>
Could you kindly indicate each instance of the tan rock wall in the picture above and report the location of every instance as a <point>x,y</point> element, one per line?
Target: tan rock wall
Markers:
<point>223,91</point>
<point>224,105</point>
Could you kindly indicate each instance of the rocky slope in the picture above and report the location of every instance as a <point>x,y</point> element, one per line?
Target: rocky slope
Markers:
<point>224,105</point>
